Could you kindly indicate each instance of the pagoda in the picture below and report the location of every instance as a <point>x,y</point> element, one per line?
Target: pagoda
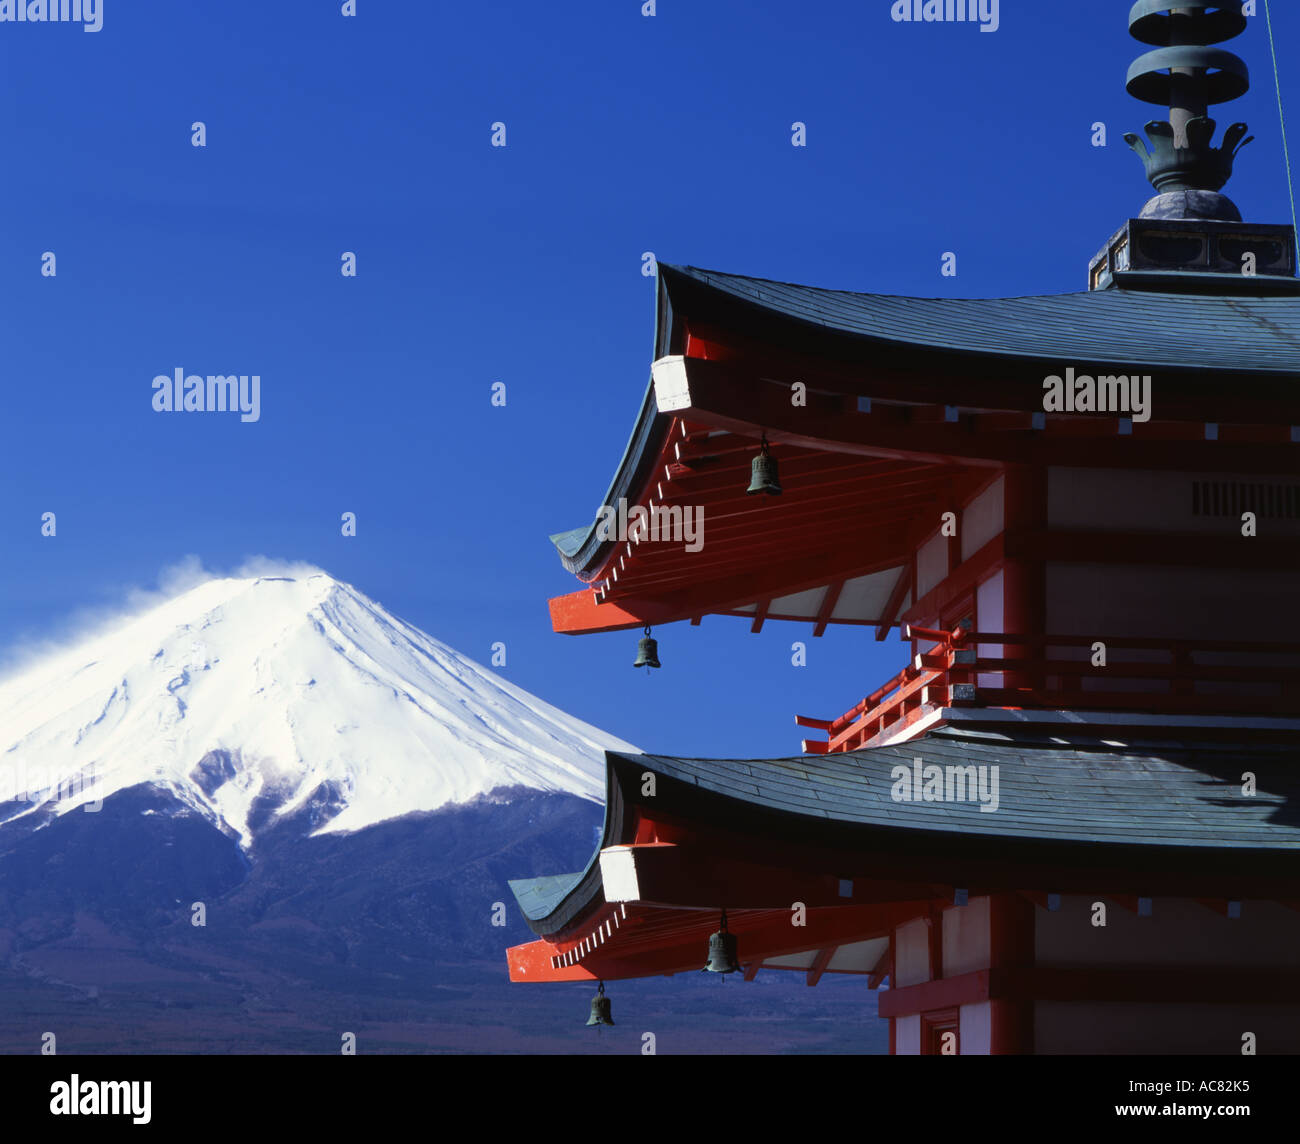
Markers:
<point>1071,822</point>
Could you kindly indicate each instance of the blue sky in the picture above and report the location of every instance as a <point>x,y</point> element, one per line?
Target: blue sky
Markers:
<point>520,264</point>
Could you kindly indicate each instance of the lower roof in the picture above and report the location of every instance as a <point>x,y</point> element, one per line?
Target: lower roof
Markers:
<point>1167,804</point>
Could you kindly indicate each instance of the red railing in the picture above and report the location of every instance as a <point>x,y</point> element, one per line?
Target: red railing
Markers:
<point>1083,673</point>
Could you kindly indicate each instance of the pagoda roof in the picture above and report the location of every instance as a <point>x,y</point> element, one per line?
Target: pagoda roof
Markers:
<point>1129,329</point>
<point>1151,812</point>
<point>980,344</point>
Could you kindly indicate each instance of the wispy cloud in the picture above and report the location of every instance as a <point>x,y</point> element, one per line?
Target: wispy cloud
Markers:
<point>175,579</point>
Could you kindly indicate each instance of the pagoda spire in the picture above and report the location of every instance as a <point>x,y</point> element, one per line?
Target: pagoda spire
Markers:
<point>1187,75</point>
<point>1189,236</point>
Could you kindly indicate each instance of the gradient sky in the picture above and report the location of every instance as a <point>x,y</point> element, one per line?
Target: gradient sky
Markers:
<point>520,264</point>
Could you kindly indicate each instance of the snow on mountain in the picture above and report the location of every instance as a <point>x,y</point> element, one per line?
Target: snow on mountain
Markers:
<point>280,691</point>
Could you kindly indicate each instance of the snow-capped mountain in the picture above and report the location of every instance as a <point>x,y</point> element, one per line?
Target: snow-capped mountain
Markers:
<point>250,699</point>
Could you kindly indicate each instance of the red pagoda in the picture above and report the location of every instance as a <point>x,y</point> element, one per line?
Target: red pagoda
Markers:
<point>1069,824</point>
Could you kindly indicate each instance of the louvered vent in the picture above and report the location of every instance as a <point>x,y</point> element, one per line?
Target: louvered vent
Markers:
<point>1232,498</point>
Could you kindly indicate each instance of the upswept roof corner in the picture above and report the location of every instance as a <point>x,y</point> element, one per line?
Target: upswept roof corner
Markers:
<point>1100,327</point>
<point>1235,334</point>
<point>1183,798</point>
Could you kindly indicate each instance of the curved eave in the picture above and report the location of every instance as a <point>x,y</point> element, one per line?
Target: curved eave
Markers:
<point>1128,820</point>
<point>1133,329</point>
<point>1129,330</point>
<point>581,552</point>
<point>554,903</point>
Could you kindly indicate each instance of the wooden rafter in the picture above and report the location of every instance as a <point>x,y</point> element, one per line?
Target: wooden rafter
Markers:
<point>896,597</point>
<point>828,603</point>
<point>884,966</point>
<point>820,962</point>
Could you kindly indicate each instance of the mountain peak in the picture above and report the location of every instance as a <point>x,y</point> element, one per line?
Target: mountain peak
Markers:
<point>286,692</point>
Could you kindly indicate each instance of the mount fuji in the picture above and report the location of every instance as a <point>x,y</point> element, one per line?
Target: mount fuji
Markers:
<point>265,812</point>
<point>251,700</point>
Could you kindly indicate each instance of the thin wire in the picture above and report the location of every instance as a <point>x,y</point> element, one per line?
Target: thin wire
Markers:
<point>1286,155</point>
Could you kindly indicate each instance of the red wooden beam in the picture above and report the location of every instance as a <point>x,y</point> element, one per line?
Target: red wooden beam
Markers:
<point>827,607</point>
<point>994,386</point>
<point>735,535</point>
<point>944,993</point>
<point>959,580</point>
<point>896,597</point>
<point>746,403</point>
<point>802,470</point>
<point>740,542</point>
<point>883,967</point>
<point>579,612</point>
<point>820,962</point>
<point>681,944</point>
<point>743,513</point>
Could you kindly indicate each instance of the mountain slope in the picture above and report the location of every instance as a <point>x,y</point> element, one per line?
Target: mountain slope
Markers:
<point>254,699</point>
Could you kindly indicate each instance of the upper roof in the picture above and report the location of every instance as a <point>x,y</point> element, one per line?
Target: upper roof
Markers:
<point>1129,330</point>
<point>1135,328</point>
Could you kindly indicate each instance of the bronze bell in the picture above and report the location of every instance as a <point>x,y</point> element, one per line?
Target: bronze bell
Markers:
<point>763,474</point>
<point>722,951</point>
<point>647,651</point>
<point>600,1008</point>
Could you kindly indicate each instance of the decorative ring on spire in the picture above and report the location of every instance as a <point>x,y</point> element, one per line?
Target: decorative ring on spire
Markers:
<point>1149,20</point>
<point>1182,31</point>
<point>1145,80</point>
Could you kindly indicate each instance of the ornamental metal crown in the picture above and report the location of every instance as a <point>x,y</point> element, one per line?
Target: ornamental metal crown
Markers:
<point>1187,75</point>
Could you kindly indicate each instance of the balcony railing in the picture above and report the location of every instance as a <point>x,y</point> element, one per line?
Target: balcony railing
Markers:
<point>1085,673</point>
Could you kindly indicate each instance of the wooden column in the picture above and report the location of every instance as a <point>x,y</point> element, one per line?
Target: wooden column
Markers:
<point>1011,934</point>
<point>1024,580</point>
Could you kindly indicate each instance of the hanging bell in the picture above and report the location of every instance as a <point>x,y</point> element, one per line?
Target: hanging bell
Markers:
<point>722,951</point>
<point>763,477</point>
<point>600,1009</point>
<point>647,651</point>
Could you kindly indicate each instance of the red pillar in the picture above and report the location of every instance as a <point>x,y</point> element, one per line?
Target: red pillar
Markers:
<point>1011,946</point>
<point>1024,582</point>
